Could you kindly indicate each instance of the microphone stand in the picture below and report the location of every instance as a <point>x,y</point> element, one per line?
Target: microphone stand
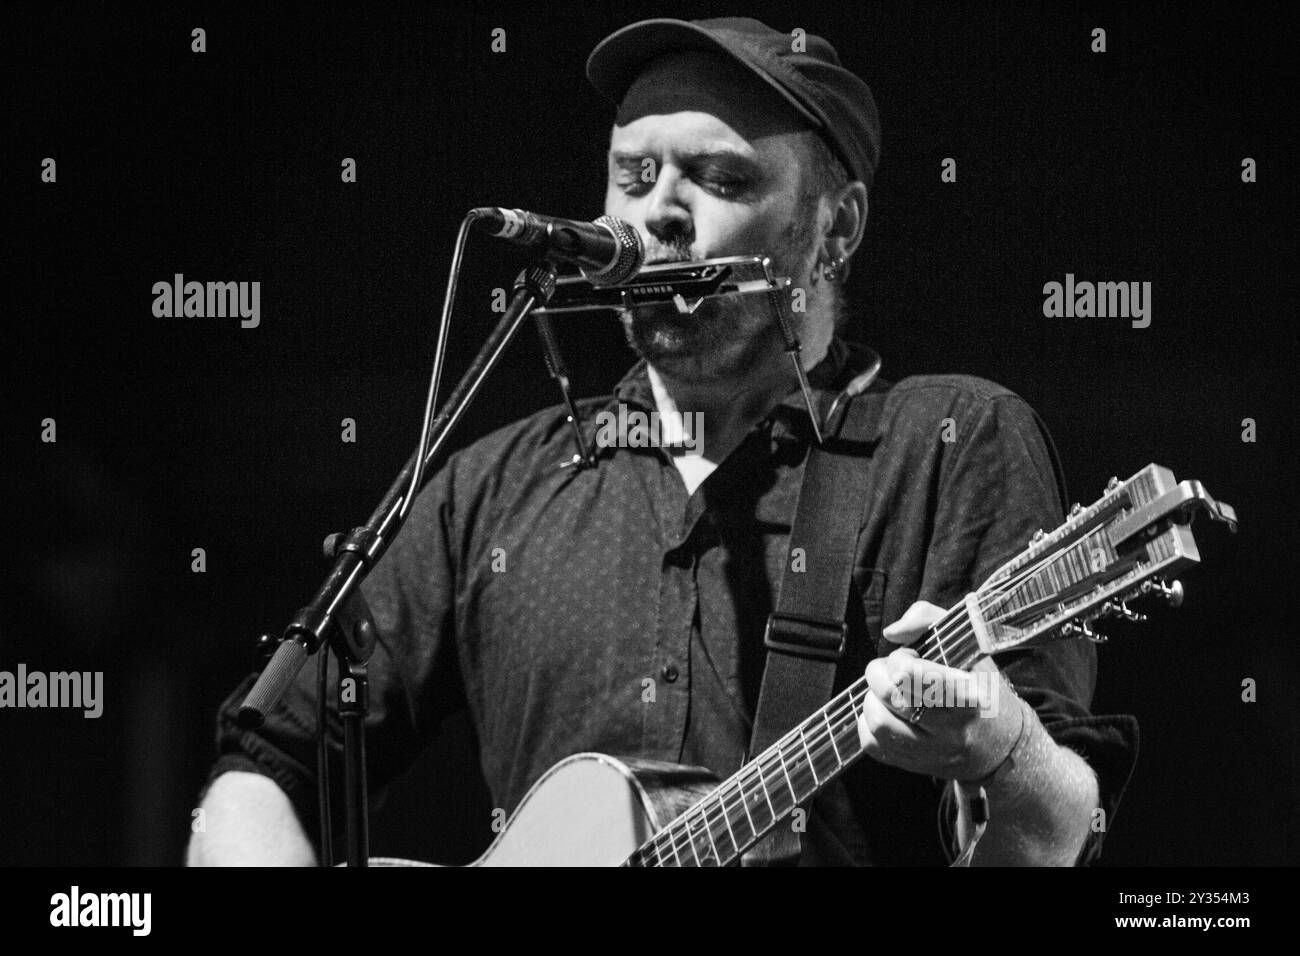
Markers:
<point>338,613</point>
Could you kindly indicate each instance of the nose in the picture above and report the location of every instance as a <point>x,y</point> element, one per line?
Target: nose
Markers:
<point>667,213</point>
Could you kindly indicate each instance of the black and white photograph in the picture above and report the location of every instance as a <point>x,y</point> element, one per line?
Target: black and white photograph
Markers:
<point>649,435</point>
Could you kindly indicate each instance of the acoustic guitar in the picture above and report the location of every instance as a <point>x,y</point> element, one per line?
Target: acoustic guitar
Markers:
<point>595,810</point>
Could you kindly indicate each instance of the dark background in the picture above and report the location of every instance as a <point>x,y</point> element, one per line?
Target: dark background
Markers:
<point>182,433</point>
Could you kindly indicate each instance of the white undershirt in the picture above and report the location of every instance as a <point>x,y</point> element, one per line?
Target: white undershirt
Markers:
<point>692,467</point>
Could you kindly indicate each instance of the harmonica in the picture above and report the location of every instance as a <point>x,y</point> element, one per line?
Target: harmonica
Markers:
<point>684,285</point>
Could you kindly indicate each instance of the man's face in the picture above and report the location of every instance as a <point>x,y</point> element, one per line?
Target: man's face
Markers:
<point>717,187</point>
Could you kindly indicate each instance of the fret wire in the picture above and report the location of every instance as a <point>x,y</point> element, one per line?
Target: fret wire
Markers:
<point>788,782</point>
<point>696,847</point>
<point>763,784</point>
<point>808,754</point>
<point>838,759</point>
<point>702,851</point>
<point>726,817</point>
<point>672,842</point>
<point>690,839</point>
<point>708,831</point>
<point>749,771</point>
<point>818,750</point>
<point>744,804</point>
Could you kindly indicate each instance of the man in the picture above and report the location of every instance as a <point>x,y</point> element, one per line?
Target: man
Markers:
<point>547,600</point>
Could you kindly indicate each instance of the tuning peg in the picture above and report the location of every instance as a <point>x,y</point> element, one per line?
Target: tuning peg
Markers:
<point>1130,615</point>
<point>1172,593</point>
<point>1112,484</point>
<point>1076,510</point>
<point>1082,630</point>
<point>1120,609</point>
<point>1039,535</point>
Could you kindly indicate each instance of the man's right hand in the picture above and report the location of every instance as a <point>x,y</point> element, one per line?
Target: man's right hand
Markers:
<point>249,821</point>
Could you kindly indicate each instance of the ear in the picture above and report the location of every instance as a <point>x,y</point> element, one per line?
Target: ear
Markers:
<point>848,220</point>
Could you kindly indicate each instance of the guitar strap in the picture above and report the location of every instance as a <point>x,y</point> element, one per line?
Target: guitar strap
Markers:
<point>805,635</point>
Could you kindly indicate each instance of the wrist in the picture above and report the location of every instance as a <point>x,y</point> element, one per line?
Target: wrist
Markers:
<point>1005,766</point>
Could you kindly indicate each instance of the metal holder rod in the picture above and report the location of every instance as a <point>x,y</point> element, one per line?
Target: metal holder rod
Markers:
<point>336,613</point>
<point>683,286</point>
<point>555,367</point>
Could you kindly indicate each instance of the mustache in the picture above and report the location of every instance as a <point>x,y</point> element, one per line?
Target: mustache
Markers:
<point>669,252</point>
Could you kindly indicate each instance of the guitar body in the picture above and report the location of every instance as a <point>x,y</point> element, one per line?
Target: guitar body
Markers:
<point>591,810</point>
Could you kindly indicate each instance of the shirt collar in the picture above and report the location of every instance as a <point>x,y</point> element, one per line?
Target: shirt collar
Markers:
<point>844,361</point>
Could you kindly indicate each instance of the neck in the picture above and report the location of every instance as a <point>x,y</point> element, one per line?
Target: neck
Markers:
<point>731,407</point>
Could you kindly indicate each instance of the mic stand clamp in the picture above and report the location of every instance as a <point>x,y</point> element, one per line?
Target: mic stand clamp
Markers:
<point>353,638</point>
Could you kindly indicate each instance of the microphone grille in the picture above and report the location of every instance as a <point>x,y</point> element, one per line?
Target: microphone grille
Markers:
<point>631,253</point>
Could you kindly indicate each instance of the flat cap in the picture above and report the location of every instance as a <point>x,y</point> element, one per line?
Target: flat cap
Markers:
<point>803,69</point>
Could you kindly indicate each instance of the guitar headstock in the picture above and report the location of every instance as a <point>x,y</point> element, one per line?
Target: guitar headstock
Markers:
<point>1127,544</point>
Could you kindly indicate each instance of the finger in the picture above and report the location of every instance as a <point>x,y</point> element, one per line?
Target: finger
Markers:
<point>880,730</point>
<point>898,680</point>
<point>966,694</point>
<point>888,684</point>
<point>917,682</point>
<point>914,622</point>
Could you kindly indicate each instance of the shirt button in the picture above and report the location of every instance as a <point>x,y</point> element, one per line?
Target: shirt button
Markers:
<point>669,673</point>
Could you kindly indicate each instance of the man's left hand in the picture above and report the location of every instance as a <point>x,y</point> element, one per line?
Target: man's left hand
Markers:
<point>969,721</point>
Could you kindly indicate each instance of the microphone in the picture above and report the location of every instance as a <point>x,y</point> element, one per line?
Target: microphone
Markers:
<point>608,251</point>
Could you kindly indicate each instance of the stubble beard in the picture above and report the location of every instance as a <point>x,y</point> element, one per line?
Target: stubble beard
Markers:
<point>723,338</point>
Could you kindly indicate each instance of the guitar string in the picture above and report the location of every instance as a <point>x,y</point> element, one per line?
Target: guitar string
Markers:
<point>824,744</point>
<point>838,719</point>
<point>842,718</point>
<point>713,808</point>
<point>824,740</point>
<point>957,628</point>
<point>955,618</point>
<point>1001,591</point>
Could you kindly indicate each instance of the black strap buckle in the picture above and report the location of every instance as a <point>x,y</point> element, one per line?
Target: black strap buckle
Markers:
<point>805,637</point>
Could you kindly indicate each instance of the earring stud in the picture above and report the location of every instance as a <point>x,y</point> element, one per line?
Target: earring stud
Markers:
<point>831,270</point>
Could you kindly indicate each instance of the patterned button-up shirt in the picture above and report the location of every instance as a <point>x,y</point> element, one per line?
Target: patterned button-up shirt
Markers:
<point>605,609</point>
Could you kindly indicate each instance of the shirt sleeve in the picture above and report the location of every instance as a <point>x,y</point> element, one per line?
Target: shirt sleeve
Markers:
<point>998,488</point>
<point>413,675</point>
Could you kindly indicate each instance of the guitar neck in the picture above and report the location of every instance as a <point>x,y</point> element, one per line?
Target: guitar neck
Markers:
<point>1088,567</point>
<point>788,774</point>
